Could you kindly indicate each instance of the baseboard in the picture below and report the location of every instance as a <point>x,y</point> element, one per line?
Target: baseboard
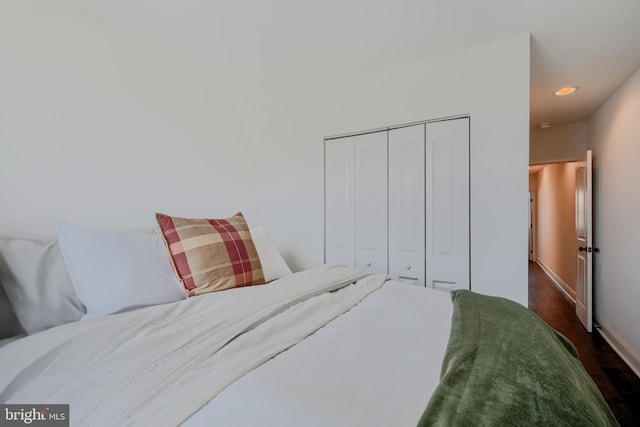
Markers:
<point>560,284</point>
<point>625,352</point>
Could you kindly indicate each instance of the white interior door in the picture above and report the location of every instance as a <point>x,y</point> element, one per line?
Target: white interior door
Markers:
<point>447,204</point>
<point>530,224</point>
<point>406,204</point>
<point>339,201</point>
<point>584,244</point>
<point>371,202</point>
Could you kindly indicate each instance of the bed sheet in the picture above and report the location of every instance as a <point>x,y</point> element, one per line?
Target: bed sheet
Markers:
<point>377,364</point>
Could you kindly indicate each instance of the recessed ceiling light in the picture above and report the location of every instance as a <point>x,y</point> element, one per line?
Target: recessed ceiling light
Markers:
<point>567,90</point>
<point>544,125</point>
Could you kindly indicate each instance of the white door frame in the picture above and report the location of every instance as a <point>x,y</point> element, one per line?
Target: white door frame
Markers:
<point>533,224</point>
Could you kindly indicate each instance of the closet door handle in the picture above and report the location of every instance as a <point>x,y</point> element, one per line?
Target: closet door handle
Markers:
<point>582,249</point>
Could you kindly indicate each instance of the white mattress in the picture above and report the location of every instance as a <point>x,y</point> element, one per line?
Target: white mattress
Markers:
<point>377,364</point>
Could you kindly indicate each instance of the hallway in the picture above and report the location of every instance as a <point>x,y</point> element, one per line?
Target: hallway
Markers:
<point>617,382</point>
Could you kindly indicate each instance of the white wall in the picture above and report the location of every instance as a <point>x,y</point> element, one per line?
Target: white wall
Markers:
<point>99,129</point>
<point>491,84</point>
<point>614,137</point>
<point>558,143</point>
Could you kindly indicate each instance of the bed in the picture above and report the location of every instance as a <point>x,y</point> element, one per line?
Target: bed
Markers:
<point>325,346</point>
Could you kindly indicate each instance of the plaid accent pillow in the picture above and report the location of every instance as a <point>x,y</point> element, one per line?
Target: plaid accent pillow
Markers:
<point>211,255</point>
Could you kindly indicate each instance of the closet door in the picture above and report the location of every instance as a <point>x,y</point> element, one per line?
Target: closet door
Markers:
<point>371,202</point>
<point>447,204</point>
<point>406,204</point>
<point>340,201</point>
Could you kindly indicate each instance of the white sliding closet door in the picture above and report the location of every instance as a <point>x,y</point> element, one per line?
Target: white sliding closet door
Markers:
<point>340,201</point>
<point>371,202</point>
<point>397,202</point>
<point>406,204</point>
<point>447,204</point>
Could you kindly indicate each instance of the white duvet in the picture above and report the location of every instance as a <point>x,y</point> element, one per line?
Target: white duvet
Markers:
<point>376,365</point>
<point>159,365</point>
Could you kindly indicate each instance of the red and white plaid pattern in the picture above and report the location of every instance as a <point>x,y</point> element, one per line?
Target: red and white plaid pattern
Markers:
<point>211,255</point>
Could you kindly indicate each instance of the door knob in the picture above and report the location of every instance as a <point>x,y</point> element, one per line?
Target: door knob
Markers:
<point>582,249</point>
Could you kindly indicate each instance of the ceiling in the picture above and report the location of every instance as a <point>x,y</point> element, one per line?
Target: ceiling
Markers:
<point>593,44</point>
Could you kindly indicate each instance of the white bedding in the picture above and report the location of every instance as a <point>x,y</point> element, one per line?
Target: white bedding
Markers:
<point>159,365</point>
<point>376,365</point>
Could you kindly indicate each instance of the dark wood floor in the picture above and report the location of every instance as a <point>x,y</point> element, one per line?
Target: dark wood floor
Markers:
<point>617,382</point>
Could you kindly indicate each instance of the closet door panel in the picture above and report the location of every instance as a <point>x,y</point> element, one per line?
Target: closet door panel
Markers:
<point>340,201</point>
<point>406,204</point>
<point>447,204</point>
<point>371,202</point>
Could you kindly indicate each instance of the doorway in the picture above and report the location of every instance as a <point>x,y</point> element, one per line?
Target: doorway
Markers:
<point>552,189</point>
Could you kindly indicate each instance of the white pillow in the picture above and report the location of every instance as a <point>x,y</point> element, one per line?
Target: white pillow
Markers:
<point>37,284</point>
<point>113,271</point>
<point>273,265</point>
<point>9,324</point>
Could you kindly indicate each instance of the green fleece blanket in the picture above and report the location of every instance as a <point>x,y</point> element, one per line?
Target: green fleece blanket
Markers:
<point>505,367</point>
